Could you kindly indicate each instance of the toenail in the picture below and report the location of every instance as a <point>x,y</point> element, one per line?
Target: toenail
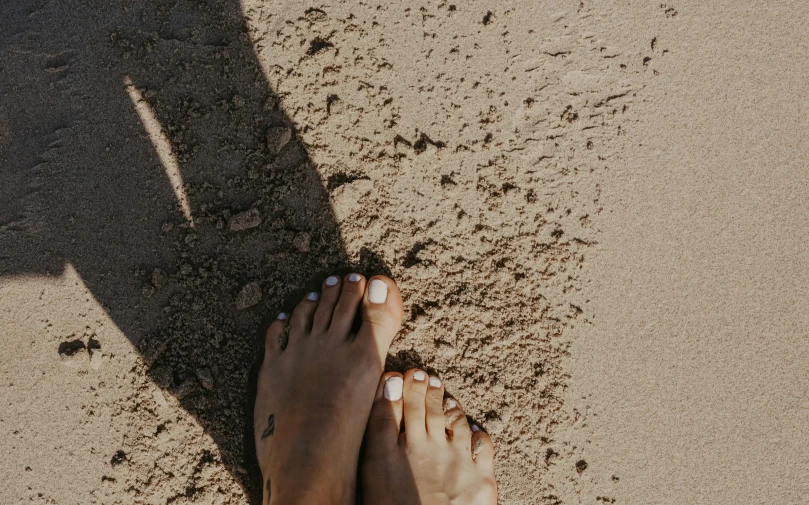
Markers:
<point>332,281</point>
<point>475,428</point>
<point>435,382</point>
<point>354,277</point>
<point>419,376</point>
<point>377,291</point>
<point>282,316</point>
<point>313,296</point>
<point>393,389</point>
<point>451,404</point>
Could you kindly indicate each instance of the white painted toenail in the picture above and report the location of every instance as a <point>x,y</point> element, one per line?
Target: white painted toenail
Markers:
<point>282,316</point>
<point>332,281</point>
<point>393,389</point>
<point>313,296</point>
<point>475,428</point>
<point>377,291</point>
<point>451,404</point>
<point>354,277</point>
<point>419,376</point>
<point>435,382</point>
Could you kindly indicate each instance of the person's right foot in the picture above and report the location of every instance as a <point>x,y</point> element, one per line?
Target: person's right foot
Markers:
<point>314,395</point>
<point>437,460</point>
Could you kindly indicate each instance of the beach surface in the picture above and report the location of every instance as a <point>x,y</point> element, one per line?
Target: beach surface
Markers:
<point>597,215</point>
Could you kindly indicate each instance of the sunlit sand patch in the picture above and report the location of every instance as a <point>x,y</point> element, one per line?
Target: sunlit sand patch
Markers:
<point>161,145</point>
<point>65,316</point>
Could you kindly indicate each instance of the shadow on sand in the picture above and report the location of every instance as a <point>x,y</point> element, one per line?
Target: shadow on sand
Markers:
<point>141,144</point>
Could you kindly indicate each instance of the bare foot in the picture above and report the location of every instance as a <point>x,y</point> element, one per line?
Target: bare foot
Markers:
<point>437,460</point>
<point>314,396</point>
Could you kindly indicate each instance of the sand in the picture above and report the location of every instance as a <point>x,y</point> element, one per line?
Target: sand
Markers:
<point>596,214</point>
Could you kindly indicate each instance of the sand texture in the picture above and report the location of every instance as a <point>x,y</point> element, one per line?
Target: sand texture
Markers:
<point>597,215</point>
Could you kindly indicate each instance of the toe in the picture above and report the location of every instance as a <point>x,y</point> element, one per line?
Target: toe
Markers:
<point>272,348</point>
<point>456,424</point>
<point>381,313</point>
<point>482,449</point>
<point>346,309</point>
<point>330,292</point>
<point>434,402</point>
<point>415,411</point>
<point>385,421</point>
<point>301,321</point>
<point>272,339</point>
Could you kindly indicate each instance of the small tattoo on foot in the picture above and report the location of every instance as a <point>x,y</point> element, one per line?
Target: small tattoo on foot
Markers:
<point>269,431</point>
<point>268,484</point>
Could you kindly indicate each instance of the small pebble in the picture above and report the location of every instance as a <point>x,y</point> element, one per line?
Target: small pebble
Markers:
<point>301,241</point>
<point>185,389</point>
<point>245,220</point>
<point>163,376</point>
<point>277,138</point>
<point>248,296</point>
<point>95,360</point>
<point>159,278</point>
<point>205,377</point>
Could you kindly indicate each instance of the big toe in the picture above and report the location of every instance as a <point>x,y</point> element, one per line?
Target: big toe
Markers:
<point>385,420</point>
<point>382,311</point>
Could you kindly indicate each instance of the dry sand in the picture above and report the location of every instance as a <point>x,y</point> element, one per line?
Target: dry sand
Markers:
<point>597,215</point>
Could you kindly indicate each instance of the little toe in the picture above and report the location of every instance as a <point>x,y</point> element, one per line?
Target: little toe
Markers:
<point>415,411</point>
<point>434,402</point>
<point>482,449</point>
<point>301,321</point>
<point>385,420</point>
<point>456,425</point>
<point>381,313</point>
<point>346,309</point>
<point>329,294</point>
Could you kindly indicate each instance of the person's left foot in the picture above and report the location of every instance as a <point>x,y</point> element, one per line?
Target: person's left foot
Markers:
<point>314,395</point>
<point>439,459</point>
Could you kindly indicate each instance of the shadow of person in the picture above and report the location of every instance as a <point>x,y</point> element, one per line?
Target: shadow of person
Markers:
<point>141,144</point>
